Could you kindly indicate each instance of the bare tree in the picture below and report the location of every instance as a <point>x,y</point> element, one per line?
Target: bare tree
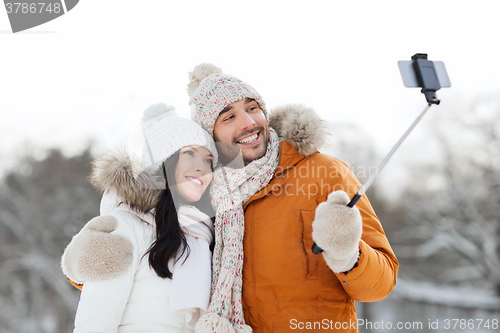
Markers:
<point>42,205</point>
<point>354,146</point>
<point>451,233</point>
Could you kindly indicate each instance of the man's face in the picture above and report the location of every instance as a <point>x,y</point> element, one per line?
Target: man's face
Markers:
<point>244,124</point>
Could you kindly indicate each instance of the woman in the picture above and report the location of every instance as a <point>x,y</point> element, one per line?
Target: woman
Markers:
<point>148,265</point>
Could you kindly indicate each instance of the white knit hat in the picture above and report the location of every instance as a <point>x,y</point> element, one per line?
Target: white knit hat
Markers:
<point>165,133</point>
<point>210,91</point>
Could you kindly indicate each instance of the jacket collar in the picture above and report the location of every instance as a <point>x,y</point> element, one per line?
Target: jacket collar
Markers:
<point>289,158</point>
<point>302,132</point>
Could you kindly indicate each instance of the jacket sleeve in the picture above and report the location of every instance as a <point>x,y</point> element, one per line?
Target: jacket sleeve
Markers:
<point>106,287</point>
<point>374,275</point>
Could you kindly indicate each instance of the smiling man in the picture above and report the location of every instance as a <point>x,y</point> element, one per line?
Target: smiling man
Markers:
<point>271,210</point>
<point>244,124</point>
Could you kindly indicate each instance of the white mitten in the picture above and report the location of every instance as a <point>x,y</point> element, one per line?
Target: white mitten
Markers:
<point>337,230</point>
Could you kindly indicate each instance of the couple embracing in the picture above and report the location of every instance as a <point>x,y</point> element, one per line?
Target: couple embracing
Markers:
<point>212,230</point>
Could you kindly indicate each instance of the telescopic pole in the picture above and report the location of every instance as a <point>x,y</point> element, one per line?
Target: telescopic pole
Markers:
<point>315,248</point>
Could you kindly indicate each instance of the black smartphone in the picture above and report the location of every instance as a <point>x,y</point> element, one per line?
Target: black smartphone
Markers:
<point>410,77</point>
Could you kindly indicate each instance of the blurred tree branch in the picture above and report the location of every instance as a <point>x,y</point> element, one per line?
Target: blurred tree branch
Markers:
<point>42,205</point>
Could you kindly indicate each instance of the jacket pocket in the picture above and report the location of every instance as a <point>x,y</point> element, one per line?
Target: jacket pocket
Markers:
<point>299,242</point>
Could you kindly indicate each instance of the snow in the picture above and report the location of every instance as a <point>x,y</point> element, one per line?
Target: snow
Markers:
<point>452,296</point>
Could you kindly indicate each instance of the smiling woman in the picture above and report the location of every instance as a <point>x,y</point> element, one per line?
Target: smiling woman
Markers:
<point>145,263</point>
<point>193,172</point>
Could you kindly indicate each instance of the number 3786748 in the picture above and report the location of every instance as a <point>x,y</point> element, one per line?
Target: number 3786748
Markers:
<point>470,324</point>
<point>32,8</point>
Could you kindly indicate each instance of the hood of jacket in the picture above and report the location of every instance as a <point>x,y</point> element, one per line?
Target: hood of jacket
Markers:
<point>117,172</point>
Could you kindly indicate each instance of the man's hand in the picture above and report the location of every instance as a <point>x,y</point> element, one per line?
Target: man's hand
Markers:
<point>337,230</point>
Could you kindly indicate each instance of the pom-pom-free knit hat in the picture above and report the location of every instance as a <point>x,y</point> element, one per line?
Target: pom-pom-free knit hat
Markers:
<point>165,133</point>
<point>210,91</point>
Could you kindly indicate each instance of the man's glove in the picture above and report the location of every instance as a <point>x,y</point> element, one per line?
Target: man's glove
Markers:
<point>337,230</point>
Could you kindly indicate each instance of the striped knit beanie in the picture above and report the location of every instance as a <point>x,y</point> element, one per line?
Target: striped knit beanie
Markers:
<point>210,91</point>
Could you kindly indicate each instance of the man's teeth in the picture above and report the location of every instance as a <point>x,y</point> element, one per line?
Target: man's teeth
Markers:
<point>194,180</point>
<point>249,139</point>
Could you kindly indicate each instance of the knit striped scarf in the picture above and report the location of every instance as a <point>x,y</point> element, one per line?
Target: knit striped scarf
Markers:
<point>231,188</point>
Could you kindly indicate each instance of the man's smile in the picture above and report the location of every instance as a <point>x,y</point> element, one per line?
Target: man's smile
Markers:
<point>250,140</point>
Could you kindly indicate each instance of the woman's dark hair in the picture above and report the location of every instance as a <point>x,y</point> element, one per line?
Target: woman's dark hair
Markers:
<point>169,235</point>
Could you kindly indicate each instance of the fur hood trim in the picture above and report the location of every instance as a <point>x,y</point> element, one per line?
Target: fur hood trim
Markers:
<point>117,172</point>
<point>301,126</point>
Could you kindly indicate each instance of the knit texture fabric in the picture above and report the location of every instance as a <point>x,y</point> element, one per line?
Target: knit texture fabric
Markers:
<point>165,134</point>
<point>231,188</point>
<point>214,93</point>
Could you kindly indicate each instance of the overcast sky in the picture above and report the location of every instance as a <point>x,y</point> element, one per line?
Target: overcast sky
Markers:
<point>91,72</point>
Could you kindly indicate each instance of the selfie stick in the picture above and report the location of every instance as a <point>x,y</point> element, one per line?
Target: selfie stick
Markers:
<point>427,79</point>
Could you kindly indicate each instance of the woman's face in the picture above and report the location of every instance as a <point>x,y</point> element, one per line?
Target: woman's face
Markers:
<point>193,172</point>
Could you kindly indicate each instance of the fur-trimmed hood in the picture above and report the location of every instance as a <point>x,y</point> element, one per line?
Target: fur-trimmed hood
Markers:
<point>117,172</point>
<point>301,126</point>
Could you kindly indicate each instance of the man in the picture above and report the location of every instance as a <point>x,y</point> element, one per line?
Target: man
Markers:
<point>291,196</point>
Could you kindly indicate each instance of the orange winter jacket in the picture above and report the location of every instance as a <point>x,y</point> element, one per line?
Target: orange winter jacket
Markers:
<point>286,287</point>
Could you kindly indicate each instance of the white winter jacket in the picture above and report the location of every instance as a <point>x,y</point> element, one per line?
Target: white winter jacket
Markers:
<point>136,300</point>
<point>121,292</point>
